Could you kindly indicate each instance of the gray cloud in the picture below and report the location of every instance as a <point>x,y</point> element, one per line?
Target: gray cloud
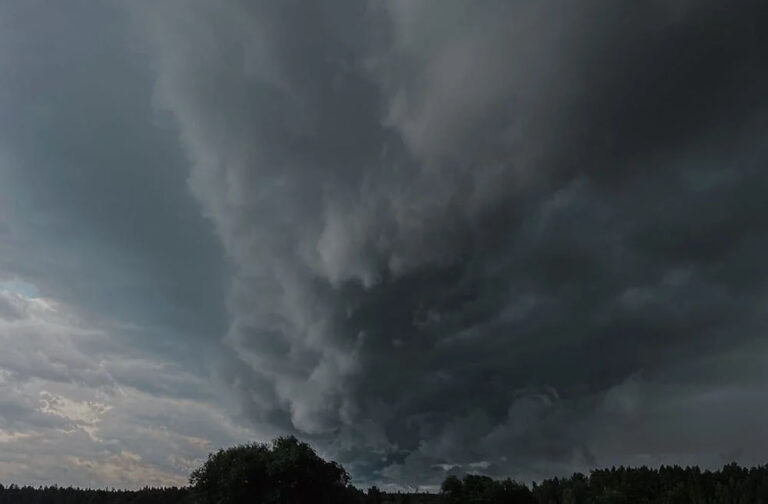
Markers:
<point>72,415</point>
<point>80,149</point>
<point>462,235</point>
<point>110,279</point>
<point>515,238</point>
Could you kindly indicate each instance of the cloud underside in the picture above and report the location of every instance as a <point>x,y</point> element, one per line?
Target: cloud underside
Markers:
<point>518,236</point>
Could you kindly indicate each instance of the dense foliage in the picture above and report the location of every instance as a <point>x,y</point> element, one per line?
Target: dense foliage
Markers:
<point>666,485</point>
<point>476,489</point>
<point>290,472</point>
<point>285,472</point>
<point>13,494</point>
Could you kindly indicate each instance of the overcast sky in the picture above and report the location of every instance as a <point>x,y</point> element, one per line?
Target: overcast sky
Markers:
<point>431,237</point>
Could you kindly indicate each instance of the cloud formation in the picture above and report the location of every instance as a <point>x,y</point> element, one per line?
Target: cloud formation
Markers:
<point>110,279</point>
<point>517,236</point>
<point>520,238</point>
<point>75,410</point>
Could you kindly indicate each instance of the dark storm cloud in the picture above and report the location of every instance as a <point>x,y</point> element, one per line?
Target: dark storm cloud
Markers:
<point>511,237</point>
<point>463,235</point>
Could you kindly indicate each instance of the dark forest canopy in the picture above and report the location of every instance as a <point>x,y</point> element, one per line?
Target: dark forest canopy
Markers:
<point>288,471</point>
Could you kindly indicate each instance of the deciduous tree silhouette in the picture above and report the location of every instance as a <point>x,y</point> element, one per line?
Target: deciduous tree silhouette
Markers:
<point>285,472</point>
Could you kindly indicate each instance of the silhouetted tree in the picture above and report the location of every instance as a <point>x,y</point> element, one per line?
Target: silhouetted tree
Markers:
<point>286,472</point>
<point>290,472</point>
<point>476,489</point>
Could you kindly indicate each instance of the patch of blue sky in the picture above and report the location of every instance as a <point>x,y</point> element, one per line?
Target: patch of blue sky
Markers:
<point>20,287</point>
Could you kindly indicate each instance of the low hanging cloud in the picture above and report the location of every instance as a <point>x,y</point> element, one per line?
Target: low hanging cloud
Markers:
<point>514,238</point>
<point>511,236</point>
<point>518,237</point>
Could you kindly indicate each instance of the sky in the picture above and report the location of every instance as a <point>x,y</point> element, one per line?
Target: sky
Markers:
<point>521,238</point>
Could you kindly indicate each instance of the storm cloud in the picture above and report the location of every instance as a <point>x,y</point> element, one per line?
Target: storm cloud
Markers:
<point>524,235</point>
<point>518,238</point>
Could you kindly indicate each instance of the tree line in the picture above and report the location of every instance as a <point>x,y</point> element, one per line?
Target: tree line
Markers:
<point>288,471</point>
